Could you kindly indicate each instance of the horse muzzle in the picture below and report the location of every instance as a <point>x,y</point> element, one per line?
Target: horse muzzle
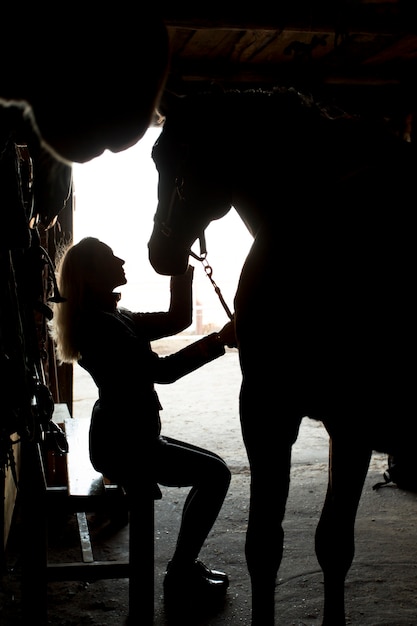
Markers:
<point>165,256</point>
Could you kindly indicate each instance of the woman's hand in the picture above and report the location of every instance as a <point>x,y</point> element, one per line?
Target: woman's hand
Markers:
<point>187,276</point>
<point>190,271</point>
<point>228,336</point>
<point>183,279</point>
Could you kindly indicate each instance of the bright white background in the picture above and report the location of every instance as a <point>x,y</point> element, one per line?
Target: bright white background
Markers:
<point>115,200</point>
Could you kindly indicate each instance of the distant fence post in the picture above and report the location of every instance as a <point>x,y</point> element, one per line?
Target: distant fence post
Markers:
<point>199,318</point>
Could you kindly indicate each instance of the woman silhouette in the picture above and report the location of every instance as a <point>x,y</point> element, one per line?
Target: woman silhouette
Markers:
<point>113,345</point>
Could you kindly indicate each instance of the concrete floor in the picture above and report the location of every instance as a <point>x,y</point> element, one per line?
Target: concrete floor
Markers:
<point>381,585</point>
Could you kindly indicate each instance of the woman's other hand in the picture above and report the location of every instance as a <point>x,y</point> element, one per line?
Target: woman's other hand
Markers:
<point>228,336</point>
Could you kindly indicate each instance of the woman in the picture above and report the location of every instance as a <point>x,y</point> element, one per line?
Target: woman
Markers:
<point>113,345</point>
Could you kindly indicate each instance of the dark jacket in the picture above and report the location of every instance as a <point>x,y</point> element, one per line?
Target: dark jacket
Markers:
<point>115,345</point>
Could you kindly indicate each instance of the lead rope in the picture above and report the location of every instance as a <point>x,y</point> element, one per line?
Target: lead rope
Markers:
<point>209,272</point>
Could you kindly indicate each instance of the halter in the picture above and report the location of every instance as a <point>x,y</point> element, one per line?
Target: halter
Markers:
<point>165,225</point>
<point>166,230</point>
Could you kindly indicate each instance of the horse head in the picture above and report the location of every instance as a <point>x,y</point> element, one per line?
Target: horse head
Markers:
<point>87,81</point>
<point>194,185</point>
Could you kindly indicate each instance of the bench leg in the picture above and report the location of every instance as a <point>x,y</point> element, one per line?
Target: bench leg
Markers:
<point>141,559</point>
<point>84,533</point>
<point>34,535</point>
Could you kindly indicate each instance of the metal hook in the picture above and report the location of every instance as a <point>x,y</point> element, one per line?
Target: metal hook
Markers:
<point>209,271</point>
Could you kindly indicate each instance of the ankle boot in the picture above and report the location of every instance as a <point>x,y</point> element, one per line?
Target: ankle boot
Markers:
<point>196,579</point>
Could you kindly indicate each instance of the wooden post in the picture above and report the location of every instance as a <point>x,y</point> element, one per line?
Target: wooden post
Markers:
<point>34,534</point>
<point>141,555</point>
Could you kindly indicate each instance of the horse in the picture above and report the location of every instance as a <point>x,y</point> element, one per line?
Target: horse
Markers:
<point>87,80</point>
<point>324,312</point>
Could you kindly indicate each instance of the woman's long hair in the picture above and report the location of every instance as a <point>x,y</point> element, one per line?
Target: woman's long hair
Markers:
<point>74,274</point>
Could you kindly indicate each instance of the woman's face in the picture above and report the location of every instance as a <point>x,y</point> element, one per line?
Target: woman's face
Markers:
<point>108,269</point>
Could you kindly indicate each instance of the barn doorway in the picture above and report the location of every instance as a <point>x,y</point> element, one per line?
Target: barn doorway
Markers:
<point>115,200</point>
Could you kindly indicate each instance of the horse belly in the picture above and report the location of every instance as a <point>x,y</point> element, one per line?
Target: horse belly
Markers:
<point>326,338</point>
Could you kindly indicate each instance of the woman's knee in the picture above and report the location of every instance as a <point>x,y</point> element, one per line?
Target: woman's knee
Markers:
<point>222,474</point>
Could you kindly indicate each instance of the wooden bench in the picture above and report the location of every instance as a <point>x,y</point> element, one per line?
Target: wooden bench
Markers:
<point>72,485</point>
<point>85,490</point>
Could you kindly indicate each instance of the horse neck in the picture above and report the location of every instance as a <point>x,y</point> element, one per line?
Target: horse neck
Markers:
<point>254,188</point>
<point>253,175</point>
<point>248,213</point>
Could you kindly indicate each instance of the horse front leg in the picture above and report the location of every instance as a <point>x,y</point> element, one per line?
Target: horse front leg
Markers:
<point>335,533</point>
<point>265,535</point>
<point>269,454</point>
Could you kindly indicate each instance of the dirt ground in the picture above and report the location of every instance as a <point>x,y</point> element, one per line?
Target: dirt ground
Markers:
<point>203,408</point>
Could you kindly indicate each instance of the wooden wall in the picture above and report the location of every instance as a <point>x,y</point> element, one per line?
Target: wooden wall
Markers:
<point>36,205</point>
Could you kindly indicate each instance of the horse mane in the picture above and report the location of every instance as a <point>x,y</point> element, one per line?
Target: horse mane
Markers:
<point>294,103</point>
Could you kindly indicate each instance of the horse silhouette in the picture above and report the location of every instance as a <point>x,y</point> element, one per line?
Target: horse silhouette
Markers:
<point>324,307</point>
<point>102,97</point>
